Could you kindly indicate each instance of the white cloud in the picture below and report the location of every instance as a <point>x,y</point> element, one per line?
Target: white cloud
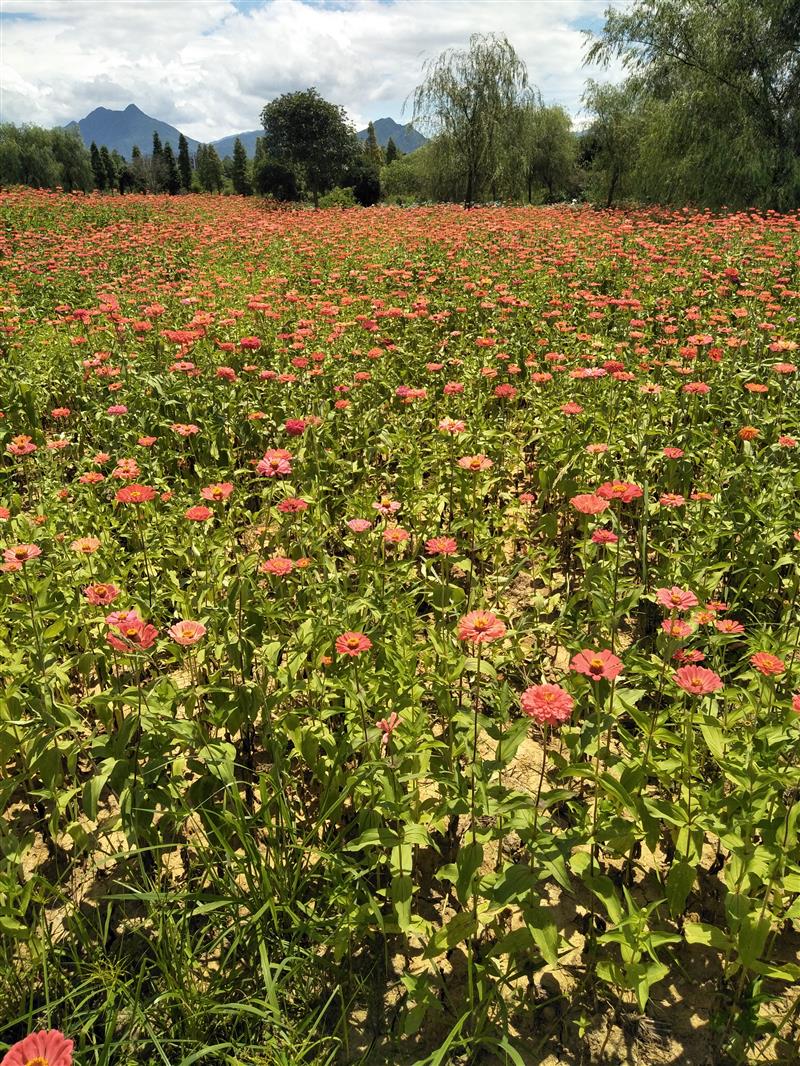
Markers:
<point>209,67</point>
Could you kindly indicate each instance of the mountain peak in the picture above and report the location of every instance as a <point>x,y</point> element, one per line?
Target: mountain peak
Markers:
<point>405,137</point>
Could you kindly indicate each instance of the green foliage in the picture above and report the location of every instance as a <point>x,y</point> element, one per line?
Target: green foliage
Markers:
<point>44,159</point>
<point>274,179</point>
<point>711,100</point>
<point>240,172</point>
<point>208,168</point>
<point>469,98</point>
<point>338,197</point>
<point>392,152</point>
<point>184,163</point>
<point>310,136</point>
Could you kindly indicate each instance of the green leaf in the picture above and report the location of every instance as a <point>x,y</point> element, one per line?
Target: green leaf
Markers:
<point>707,935</point>
<point>679,884</point>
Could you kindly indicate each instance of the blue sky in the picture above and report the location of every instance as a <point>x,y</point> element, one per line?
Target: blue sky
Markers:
<point>209,67</point>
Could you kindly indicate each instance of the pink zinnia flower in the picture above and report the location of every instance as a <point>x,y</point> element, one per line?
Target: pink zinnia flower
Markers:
<point>386,506</point>
<point>359,525</point>
<point>697,680</point>
<point>135,494</point>
<point>221,490</point>
<point>475,463</point>
<point>187,632</point>
<point>198,513</point>
<point>134,633</point>
<point>673,453</point>
<point>676,627</point>
<point>728,625</point>
<point>292,505</point>
<point>49,1047</point>
<point>451,425</point>
<point>275,463</point>
<point>672,499</point>
<point>480,627</point>
<point>547,704</point>
<point>441,546</point>
<point>597,664</point>
<point>21,553</point>
<point>604,536</point>
<point>624,491</point>
<point>395,535</point>
<point>796,703</point>
<point>588,503</point>
<point>85,545</point>
<point>278,566</point>
<point>352,644</point>
<point>101,595</point>
<point>767,664</point>
<point>676,599</point>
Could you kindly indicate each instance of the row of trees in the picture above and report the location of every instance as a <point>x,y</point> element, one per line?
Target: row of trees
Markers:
<point>709,113</point>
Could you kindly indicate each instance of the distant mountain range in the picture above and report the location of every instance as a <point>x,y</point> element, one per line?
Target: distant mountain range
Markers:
<point>406,138</point>
<point>124,129</point>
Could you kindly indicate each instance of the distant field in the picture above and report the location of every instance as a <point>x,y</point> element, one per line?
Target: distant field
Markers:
<point>399,633</point>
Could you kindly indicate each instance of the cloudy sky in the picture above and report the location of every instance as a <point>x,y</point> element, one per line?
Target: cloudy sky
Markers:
<point>209,67</point>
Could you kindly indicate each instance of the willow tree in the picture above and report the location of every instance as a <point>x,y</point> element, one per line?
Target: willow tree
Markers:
<point>470,98</point>
<point>725,76</point>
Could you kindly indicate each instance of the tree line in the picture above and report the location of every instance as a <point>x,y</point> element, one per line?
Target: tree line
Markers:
<point>708,113</point>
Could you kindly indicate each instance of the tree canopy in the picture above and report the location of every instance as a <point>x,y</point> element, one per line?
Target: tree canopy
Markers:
<point>311,136</point>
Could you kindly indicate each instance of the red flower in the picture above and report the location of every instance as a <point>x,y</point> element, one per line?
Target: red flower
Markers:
<point>101,595</point>
<point>295,427</point>
<point>624,491</point>
<point>135,494</point>
<point>604,536</point>
<point>221,490</point>
<point>728,625</point>
<point>198,513</point>
<point>395,535</point>
<point>547,704</point>
<point>697,680</point>
<point>597,664</point>
<point>49,1047</point>
<point>767,664</point>
<point>292,505</point>
<point>278,566</point>
<point>352,644</point>
<point>480,627</point>
<point>588,503</point>
<point>441,546</point>
<point>132,632</point>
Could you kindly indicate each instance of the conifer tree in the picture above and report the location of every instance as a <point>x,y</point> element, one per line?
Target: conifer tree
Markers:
<point>392,151</point>
<point>239,174</point>
<point>109,168</point>
<point>172,179</point>
<point>372,150</point>
<point>98,170</point>
<point>184,163</point>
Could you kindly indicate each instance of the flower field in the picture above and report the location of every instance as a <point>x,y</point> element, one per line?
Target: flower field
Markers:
<point>399,634</point>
